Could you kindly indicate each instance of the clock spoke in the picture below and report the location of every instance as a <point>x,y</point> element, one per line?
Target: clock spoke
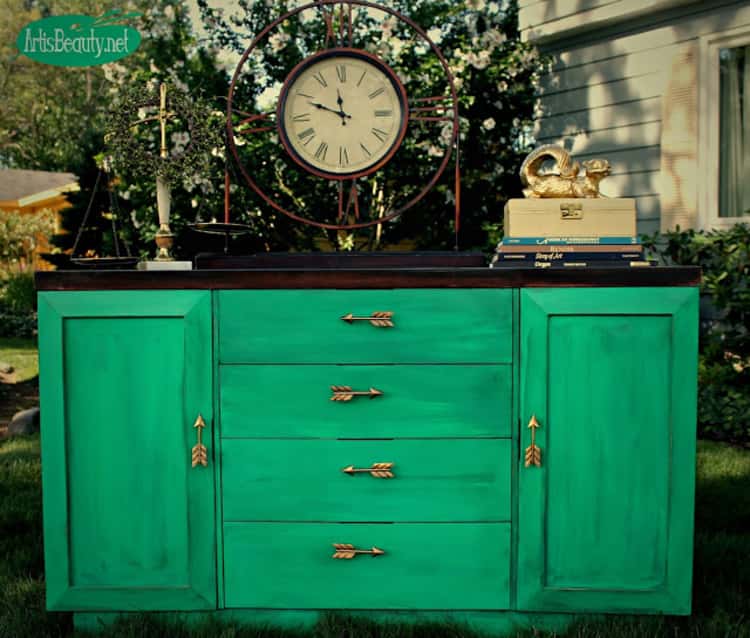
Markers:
<point>339,24</point>
<point>352,202</point>
<point>430,109</point>
<point>254,118</point>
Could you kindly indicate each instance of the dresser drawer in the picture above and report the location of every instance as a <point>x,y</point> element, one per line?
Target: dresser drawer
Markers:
<point>454,325</point>
<point>446,566</point>
<point>416,401</point>
<point>303,480</point>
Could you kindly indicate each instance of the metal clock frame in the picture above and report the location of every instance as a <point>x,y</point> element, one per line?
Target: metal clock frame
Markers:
<point>424,111</point>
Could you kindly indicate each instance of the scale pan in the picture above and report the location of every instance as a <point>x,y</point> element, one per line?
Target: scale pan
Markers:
<point>111,262</point>
<point>221,228</point>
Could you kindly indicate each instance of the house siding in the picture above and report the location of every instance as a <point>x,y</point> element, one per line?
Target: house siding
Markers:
<point>610,90</point>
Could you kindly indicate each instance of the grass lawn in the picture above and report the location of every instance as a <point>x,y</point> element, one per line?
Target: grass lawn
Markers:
<point>721,598</point>
<point>22,355</point>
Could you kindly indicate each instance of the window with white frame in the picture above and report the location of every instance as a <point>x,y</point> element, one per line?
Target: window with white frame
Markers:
<point>725,123</point>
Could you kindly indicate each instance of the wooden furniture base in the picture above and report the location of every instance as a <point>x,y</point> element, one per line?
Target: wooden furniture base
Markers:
<point>505,623</point>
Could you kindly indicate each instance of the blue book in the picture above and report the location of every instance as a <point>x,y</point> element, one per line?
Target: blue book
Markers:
<point>567,241</point>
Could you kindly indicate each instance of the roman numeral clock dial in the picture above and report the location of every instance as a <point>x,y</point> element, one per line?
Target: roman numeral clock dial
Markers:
<point>342,113</point>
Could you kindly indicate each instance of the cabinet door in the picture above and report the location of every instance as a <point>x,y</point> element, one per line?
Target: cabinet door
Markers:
<point>606,522</point>
<point>128,523</point>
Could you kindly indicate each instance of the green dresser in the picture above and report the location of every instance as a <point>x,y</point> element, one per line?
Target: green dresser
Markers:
<point>367,437</point>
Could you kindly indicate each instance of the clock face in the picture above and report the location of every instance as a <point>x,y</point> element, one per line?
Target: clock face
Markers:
<point>342,113</point>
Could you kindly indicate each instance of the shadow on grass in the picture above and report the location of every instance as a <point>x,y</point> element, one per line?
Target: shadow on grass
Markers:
<point>22,613</point>
<point>721,604</point>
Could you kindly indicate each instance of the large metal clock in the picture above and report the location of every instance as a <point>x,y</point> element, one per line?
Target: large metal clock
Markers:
<point>344,117</point>
<point>342,113</point>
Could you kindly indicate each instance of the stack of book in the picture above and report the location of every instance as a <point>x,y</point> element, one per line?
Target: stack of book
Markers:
<point>570,252</point>
<point>570,233</point>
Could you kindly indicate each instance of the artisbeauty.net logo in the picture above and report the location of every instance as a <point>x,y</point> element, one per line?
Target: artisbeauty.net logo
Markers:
<point>79,40</point>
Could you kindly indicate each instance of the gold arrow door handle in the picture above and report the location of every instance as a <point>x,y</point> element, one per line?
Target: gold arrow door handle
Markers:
<point>199,453</point>
<point>380,319</point>
<point>533,454</point>
<point>377,470</point>
<point>345,393</point>
<point>347,551</point>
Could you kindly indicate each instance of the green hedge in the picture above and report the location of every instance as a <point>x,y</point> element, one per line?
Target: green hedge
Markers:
<point>17,305</point>
<point>13,324</point>
<point>724,372</point>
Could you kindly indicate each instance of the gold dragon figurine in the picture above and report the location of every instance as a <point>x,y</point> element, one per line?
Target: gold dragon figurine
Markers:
<point>566,182</point>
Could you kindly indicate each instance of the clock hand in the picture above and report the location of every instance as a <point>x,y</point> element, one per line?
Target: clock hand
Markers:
<point>325,108</point>
<point>340,102</point>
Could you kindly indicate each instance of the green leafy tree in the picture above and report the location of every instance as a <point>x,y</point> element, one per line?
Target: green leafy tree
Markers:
<point>20,234</point>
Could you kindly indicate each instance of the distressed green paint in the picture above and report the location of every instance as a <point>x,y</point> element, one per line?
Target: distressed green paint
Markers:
<point>435,480</point>
<point>515,450</point>
<point>431,326</point>
<point>218,514</point>
<point>131,444</point>
<point>604,525</point>
<point>441,566</point>
<point>606,522</point>
<point>590,403</point>
<point>128,523</point>
<point>417,401</point>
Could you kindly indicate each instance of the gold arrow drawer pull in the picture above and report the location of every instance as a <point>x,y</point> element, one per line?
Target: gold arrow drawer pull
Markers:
<point>533,454</point>
<point>380,319</point>
<point>378,470</point>
<point>347,552</point>
<point>345,393</point>
<point>199,452</point>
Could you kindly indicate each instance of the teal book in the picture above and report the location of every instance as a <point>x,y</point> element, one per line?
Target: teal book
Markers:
<point>568,241</point>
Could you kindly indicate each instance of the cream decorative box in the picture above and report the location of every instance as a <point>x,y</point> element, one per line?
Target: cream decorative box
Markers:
<point>596,217</point>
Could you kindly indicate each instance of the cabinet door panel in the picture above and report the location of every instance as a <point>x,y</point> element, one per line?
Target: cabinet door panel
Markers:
<point>606,522</point>
<point>128,522</point>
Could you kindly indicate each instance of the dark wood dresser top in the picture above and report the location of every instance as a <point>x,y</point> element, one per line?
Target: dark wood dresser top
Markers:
<point>350,278</point>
